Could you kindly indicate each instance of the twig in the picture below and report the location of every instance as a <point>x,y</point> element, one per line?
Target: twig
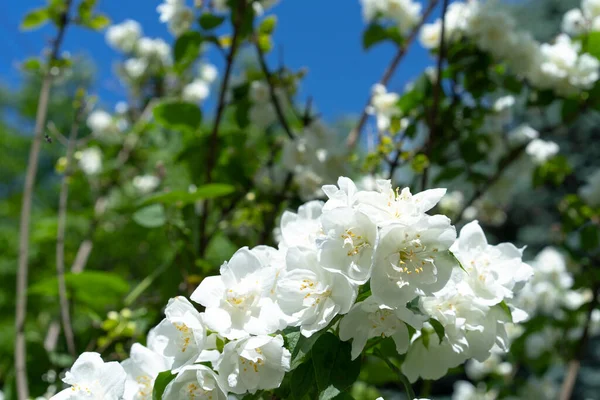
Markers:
<point>60,234</point>
<point>574,365</point>
<point>56,133</point>
<point>274,99</point>
<point>23,267</point>
<point>212,153</point>
<point>355,133</point>
<point>132,138</point>
<point>437,89</point>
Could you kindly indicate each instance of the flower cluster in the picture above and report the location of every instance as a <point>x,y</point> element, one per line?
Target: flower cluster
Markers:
<point>409,268</point>
<point>560,66</point>
<point>177,15</point>
<point>582,20</point>
<point>404,13</point>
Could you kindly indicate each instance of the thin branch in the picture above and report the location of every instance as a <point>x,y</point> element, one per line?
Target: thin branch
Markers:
<point>56,133</point>
<point>437,90</point>
<point>212,153</point>
<point>32,164</point>
<point>387,75</point>
<point>60,234</point>
<point>132,138</point>
<point>574,365</point>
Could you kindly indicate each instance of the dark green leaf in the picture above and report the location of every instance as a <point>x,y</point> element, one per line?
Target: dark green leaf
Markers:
<point>569,110</point>
<point>35,18</point>
<point>161,382</point>
<point>590,237</point>
<point>210,21</point>
<point>332,362</point>
<point>187,49</point>
<point>208,191</point>
<point>376,33</point>
<point>303,379</point>
<point>448,174</point>
<point>178,115</point>
<point>438,328</point>
<point>151,216</point>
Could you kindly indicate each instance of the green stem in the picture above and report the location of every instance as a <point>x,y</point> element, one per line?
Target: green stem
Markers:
<point>407,386</point>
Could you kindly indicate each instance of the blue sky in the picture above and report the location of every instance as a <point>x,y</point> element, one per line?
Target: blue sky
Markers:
<point>322,35</point>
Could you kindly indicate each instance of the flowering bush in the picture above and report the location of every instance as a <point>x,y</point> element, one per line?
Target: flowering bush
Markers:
<point>366,283</point>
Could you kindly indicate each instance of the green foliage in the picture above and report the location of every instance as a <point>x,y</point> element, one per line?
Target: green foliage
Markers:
<point>187,49</point>
<point>152,216</point>
<point>375,34</point>
<point>178,115</point>
<point>35,19</point>
<point>162,380</point>
<point>210,21</point>
<point>332,363</point>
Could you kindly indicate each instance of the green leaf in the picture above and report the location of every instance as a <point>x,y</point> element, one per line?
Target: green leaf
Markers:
<point>303,379</point>
<point>210,21</point>
<point>97,22</point>
<point>332,363</point>
<point>151,216</point>
<point>506,310</point>
<point>376,33</point>
<point>85,10</point>
<point>208,191</point>
<point>96,289</point>
<point>161,382</point>
<point>593,44</point>
<point>590,237</point>
<point>267,26</point>
<point>178,115</point>
<point>32,65</point>
<point>438,328</point>
<point>35,18</point>
<point>448,174</point>
<point>299,345</point>
<point>187,49</point>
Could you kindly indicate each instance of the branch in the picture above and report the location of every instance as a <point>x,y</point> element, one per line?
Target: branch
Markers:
<point>60,235</point>
<point>574,365</point>
<point>355,133</point>
<point>212,154</point>
<point>61,138</point>
<point>32,164</point>
<point>437,89</point>
<point>274,100</point>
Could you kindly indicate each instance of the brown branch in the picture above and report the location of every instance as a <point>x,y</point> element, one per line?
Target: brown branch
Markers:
<point>355,133</point>
<point>32,164</point>
<point>437,90</point>
<point>60,234</point>
<point>270,84</point>
<point>214,136</point>
<point>574,365</point>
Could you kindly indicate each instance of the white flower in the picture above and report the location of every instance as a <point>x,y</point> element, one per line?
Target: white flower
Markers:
<point>406,13</point>
<point>559,58</point>
<point>369,319</point>
<point>370,8</point>
<point>135,68</point>
<point>464,390</point>
<point>207,72</point>
<point>383,106</point>
<point>90,160</point>
<point>99,122</point>
<point>259,92</point>
<point>154,50</point>
<point>195,382</point>
<point>477,370</point>
<point>522,134</point>
<point>412,259</point>
<point>430,35</point>
<point>574,22</point>
<point>590,192</point>
<point>302,228</point>
<point>585,73</point>
<point>591,8</point>
<point>503,107</point>
<point>541,150</point>
<point>196,91</point>
<point>177,15</point>
<point>252,364</point>
<point>124,36</point>
<point>121,108</point>
<point>493,273</point>
<point>142,368</point>
<point>238,302</point>
<point>452,202</point>
<point>181,337</point>
<point>431,362</point>
<point>92,378</point>
<point>348,245</point>
<point>146,183</point>
<point>310,295</point>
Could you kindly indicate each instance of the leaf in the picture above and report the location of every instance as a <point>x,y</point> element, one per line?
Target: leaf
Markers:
<point>299,345</point>
<point>267,26</point>
<point>590,237</point>
<point>438,328</point>
<point>187,49</point>
<point>97,22</point>
<point>210,21</point>
<point>593,44</point>
<point>85,10</point>
<point>376,33</point>
<point>208,191</point>
<point>151,216</point>
<point>161,382</point>
<point>303,378</point>
<point>448,174</point>
<point>178,115</point>
<point>505,309</point>
<point>332,363</point>
<point>569,110</point>
<point>35,18</point>
<point>32,65</point>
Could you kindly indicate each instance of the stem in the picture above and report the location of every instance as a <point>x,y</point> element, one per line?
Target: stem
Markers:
<point>574,365</point>
<point>355,133</point>
<point>274,100</point>
<point>60,236</point>
<point>32,164</point>
<point>437,89</point>
<point>212,154</point>
<point>405,382</point>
